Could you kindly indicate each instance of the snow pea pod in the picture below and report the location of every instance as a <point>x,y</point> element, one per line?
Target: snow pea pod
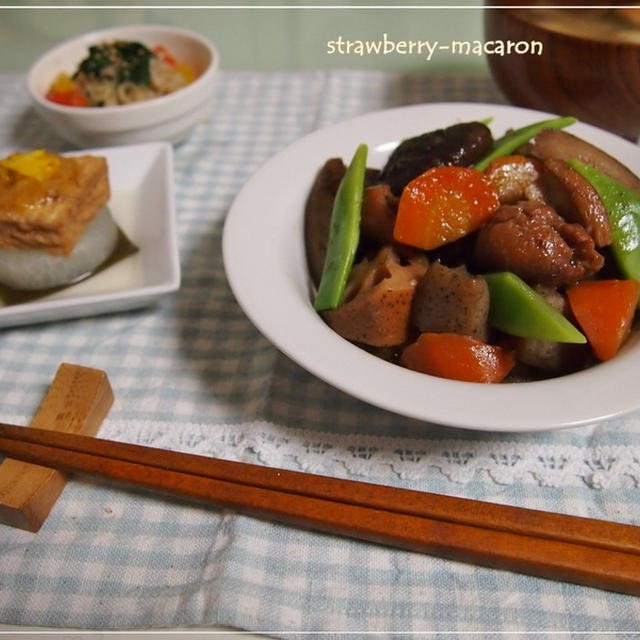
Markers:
<point>344,233</point>
<point>514,139</point>
<point>623,210</point>
<point>519,310</point>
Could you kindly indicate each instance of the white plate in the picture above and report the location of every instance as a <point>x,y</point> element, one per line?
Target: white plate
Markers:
<point>142,204</point>
<point>265,263</point>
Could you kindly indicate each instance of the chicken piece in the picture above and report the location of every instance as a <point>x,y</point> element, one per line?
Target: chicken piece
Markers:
<point>515,178</point>
<point>378,216</point>
<point>575,199</point>
<point>51,213</point>
<point>533,241</point>
<point>451,301</point>
<point>562,145</point>
<point>377,301</point>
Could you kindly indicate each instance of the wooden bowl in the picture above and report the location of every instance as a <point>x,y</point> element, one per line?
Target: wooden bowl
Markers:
<point>589,66</point>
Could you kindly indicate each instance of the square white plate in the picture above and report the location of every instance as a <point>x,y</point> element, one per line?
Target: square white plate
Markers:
<point>142,204</point>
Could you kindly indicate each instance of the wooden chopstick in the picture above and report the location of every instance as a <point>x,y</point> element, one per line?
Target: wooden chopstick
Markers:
<point>587,531</point>
<point>582,550</point>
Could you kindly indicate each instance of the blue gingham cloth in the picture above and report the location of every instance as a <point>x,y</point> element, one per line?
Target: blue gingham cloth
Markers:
<point>193,374</point>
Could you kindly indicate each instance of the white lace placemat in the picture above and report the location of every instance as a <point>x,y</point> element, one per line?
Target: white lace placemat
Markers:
<point>410,460</point>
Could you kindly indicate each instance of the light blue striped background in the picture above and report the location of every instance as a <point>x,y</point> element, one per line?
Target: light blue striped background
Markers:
<point>192,373</point>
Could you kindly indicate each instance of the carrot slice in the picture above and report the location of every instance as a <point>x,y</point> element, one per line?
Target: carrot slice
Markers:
<point>604,309</point>
<point>458,357</point>
<point>164,55</point>
<point>442,205</point>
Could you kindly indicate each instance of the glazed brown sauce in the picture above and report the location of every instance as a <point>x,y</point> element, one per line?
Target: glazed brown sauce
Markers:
<point>124,248</point>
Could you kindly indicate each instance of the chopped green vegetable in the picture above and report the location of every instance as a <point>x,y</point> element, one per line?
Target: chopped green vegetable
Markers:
<point>135,62</point>
<point>623,210</point>
<point>97,60</point>
<point>121,61</point>
<point>519,310</point>
<point>514,139</point>
<point>344,233</point>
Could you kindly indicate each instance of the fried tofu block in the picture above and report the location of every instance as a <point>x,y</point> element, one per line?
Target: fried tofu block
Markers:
<point>51,213</point>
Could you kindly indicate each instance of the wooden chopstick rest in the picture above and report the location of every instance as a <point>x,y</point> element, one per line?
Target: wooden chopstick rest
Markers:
<point>77,401</point>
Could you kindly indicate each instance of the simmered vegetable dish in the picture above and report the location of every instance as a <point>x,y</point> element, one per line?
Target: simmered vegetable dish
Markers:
<point>120,72</point>
<point>479,259</point>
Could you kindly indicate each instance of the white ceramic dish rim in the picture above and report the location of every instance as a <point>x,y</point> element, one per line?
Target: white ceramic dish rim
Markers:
<point>124,115</point>
<point>263,251</point>
<point>160,157</point>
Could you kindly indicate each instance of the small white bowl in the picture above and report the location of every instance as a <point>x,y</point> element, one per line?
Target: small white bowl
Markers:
<point>168,118</point>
